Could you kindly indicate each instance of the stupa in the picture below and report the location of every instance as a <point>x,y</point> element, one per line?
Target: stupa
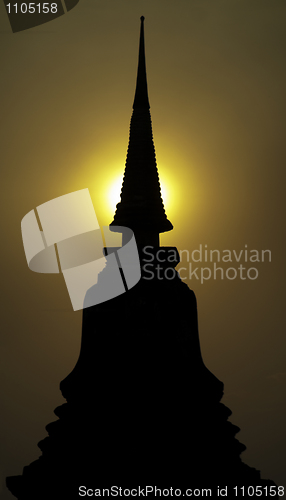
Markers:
<point>141,406</point>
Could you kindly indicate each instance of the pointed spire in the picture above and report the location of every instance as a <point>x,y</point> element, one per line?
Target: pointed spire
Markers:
<point>141,207</point>
<point>141,94</point>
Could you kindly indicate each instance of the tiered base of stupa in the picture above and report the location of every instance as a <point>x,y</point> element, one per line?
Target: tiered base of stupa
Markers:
<point>142,409</point>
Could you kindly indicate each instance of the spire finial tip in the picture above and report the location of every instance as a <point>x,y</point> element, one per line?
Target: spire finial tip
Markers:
<point>142,18</point>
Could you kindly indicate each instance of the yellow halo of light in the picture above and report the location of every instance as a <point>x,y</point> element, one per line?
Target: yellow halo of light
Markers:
<point>164,194</point>
<point>113,193</point>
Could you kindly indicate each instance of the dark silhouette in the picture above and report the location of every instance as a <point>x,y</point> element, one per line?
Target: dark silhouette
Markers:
<point>142,408</point>
<point>141,207</point>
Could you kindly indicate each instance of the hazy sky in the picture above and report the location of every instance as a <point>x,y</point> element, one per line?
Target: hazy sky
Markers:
<point>216,77</point>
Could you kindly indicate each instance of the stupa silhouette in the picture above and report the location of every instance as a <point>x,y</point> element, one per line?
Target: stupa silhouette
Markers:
<point>142,408</point>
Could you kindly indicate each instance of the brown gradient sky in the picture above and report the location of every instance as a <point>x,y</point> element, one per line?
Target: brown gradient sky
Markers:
<point>217,77</point>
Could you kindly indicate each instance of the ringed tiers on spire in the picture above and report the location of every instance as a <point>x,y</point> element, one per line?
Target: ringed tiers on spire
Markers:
<point>141,207</point>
